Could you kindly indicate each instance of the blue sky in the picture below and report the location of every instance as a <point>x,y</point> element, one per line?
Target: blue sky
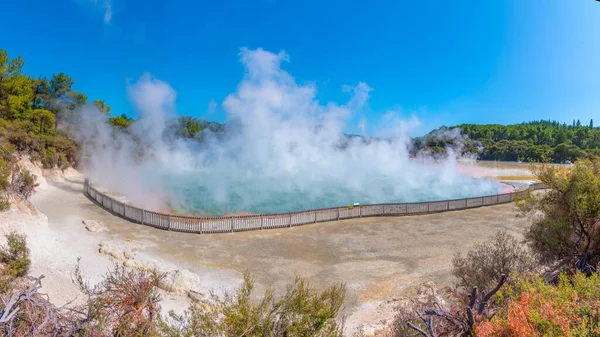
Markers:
<point>447,62</point>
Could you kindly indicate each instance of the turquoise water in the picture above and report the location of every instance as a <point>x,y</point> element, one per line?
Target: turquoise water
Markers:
<point>212,194</point>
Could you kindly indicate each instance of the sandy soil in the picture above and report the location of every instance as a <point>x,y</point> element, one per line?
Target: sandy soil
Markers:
<point>378,258</point>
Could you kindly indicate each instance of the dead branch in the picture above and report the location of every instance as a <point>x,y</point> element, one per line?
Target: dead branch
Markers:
<point>461,325</point>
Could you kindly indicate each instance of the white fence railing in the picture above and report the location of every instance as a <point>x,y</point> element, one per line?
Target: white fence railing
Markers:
<point>199,225</point>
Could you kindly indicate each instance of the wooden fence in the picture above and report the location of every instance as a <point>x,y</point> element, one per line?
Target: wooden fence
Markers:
<point>200,225</point>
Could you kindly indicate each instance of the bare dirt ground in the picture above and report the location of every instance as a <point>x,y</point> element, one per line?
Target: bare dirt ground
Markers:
<point>378,258</point>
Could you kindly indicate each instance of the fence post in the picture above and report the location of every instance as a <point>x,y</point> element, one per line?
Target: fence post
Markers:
<point>169,222</point>
<point>338,210</point>
<point>143,215</point>
<point>261,222</point>
<point>232,224</point>
<point>427,206</point>
<point>201,226</point>
<point>465,202</point>
<point>315,216</point>
<point>290,226</point>
<point>497,198</point>
<point>447,205</point>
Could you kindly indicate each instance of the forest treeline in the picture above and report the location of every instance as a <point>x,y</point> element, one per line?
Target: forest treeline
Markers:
<point>537,141</point>
<point>36,114</point>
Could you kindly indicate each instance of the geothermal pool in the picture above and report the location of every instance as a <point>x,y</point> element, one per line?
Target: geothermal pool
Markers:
<point>283,149</point>
<point>210,193</point>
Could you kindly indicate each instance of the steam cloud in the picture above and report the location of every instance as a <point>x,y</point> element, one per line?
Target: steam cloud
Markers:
<point>282,151</point>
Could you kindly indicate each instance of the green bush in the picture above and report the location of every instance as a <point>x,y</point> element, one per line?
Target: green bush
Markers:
<point>23,182</point>
<point>15,255</point>
<point>5,172</point>
<point>49,148</point>
<point>302,311</point>
<point>49,158</point>
<point>564,218</point>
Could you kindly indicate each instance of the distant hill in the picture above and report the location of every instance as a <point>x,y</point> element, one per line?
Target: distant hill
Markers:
<point>536,141</point>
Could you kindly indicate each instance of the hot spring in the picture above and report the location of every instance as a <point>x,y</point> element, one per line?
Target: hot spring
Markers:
<point>210,193</point>
<point>282,150</point>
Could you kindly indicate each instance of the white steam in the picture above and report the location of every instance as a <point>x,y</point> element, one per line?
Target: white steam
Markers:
<point>282,151</point>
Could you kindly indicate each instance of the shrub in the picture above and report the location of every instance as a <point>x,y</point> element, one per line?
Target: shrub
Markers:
<point>47,146</point>
<point>49,158</point>
<point>23,182</point>
<point>125,303</point>
<point>567,217</point>
<point>15,261</point>
<point>486,262</point>
<point>15,255</point>
<point>302,311</point>
<point>5,172</point>
<point>63,162</point>
<point>536,308</point>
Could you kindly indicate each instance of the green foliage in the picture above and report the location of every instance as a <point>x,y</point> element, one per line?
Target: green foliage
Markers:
<point>49,158</point>
<point>15,255</point>
<point>41,92</point>
<point>5,174</point>
<point>15,88</point>
<point>486,262</point>
<point>43,120</point>
<point>193,128</point>
<point>29,109</point>
<point>101,106</point>
<point>566,225</point>
<point>23,182</point>
<point>302,311</point>
<point>120,121</point>
<point>537,141</point>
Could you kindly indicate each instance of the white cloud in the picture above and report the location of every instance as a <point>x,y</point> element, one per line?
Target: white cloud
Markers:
<point>212,106</point>
<point>106,6</point>
<point>107,11</point>
<point>360,95</point>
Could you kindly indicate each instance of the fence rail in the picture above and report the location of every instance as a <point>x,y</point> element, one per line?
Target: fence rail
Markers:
<point>201,225</point>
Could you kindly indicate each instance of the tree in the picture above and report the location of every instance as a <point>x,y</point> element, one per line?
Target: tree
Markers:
<point>15,67</point>
<point>569,222</point>
<point>15,90</point>
<point>64,100</point>
<point>76,100</point>
<point>43,119</point>
<point>18,97</point>
<point>120,121</point>
<point>41,91</point>
<point>591,123</point>
<point>101,106</point>
<point>60,86</point>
